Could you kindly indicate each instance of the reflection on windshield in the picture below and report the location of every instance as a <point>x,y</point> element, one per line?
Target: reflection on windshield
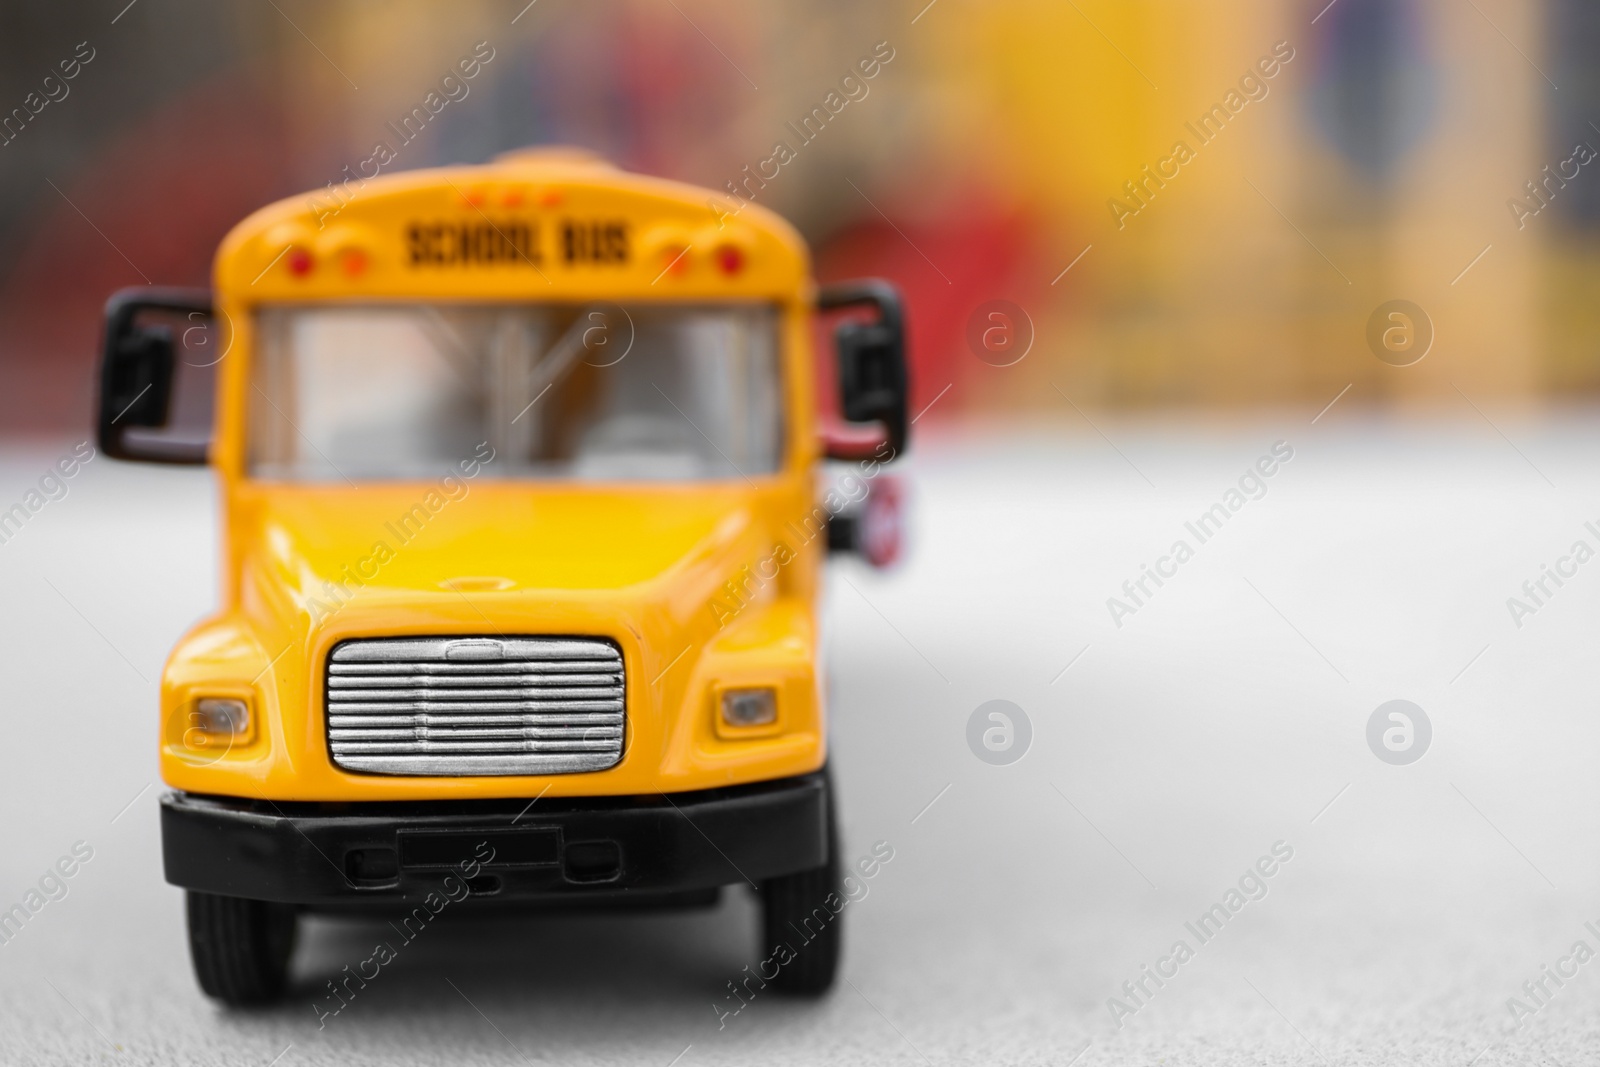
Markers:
<point>587,392</point>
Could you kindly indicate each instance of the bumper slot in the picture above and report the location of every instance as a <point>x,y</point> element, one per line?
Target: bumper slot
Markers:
<point>489,848</point>
<point>372,867</point>
<point>588,862</point>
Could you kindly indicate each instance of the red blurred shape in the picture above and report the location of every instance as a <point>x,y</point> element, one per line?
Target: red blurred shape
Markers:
<point>840,440</point>
<point>299,262</point>
<point>148,200</point>
<point>729,259</point>
<point>882,522</point>
<point>945,265</point>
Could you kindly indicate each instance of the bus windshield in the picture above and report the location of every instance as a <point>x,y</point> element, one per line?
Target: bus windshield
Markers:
<point>586,392</point>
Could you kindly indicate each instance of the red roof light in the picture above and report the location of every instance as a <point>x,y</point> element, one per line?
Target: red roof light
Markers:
<point>730,260</point>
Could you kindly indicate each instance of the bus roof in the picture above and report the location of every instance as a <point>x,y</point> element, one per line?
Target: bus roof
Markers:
<point>543,224</point>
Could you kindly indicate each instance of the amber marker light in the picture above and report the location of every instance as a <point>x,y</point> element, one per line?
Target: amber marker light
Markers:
<point>675,260</point>
<point>353,261</point>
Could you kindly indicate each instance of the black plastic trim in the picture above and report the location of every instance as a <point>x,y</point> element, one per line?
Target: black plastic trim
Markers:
<point>113,407</point>
<point>315,854</point>
<point>874,383</point>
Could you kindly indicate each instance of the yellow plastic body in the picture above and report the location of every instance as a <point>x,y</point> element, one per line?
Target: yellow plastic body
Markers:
<point>681,577</point>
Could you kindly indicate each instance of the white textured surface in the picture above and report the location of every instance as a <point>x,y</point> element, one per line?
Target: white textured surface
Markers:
<point>1193,738</point>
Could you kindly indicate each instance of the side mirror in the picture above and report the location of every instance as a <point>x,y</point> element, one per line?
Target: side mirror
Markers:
<point>872,367</point>
<point>146,330</point>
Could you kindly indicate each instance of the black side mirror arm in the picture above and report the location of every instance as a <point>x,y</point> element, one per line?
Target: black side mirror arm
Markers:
<point>872,369</point>
<point>136,375</point>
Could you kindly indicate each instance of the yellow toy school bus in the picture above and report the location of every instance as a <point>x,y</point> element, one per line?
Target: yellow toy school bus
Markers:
<point>518,467</point>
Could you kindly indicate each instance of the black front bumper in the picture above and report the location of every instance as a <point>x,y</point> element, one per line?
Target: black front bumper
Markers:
<point>571,849</point>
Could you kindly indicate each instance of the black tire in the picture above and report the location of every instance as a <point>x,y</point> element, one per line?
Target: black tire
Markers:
<point>240,948</point>
<point>794,913</point>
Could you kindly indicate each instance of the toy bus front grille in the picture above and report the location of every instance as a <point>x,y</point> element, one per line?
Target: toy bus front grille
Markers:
<point>475,705</point>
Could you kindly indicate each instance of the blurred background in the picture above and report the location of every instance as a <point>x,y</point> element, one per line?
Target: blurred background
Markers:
<point>1401,149</point>
<point>1192,209</point>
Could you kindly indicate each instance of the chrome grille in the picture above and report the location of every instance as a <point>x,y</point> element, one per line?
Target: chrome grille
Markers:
<point>475,705</point>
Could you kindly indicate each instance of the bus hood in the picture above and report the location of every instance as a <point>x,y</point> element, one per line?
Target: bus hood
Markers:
<point>309,554</point>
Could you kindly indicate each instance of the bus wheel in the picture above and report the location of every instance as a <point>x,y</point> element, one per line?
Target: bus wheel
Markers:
<point>795,913</point>
<point>240,947</point>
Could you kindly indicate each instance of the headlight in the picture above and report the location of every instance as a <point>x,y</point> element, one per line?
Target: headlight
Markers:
<point>221,717</point>
<point>750,707</point>
<point>202,730</point>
